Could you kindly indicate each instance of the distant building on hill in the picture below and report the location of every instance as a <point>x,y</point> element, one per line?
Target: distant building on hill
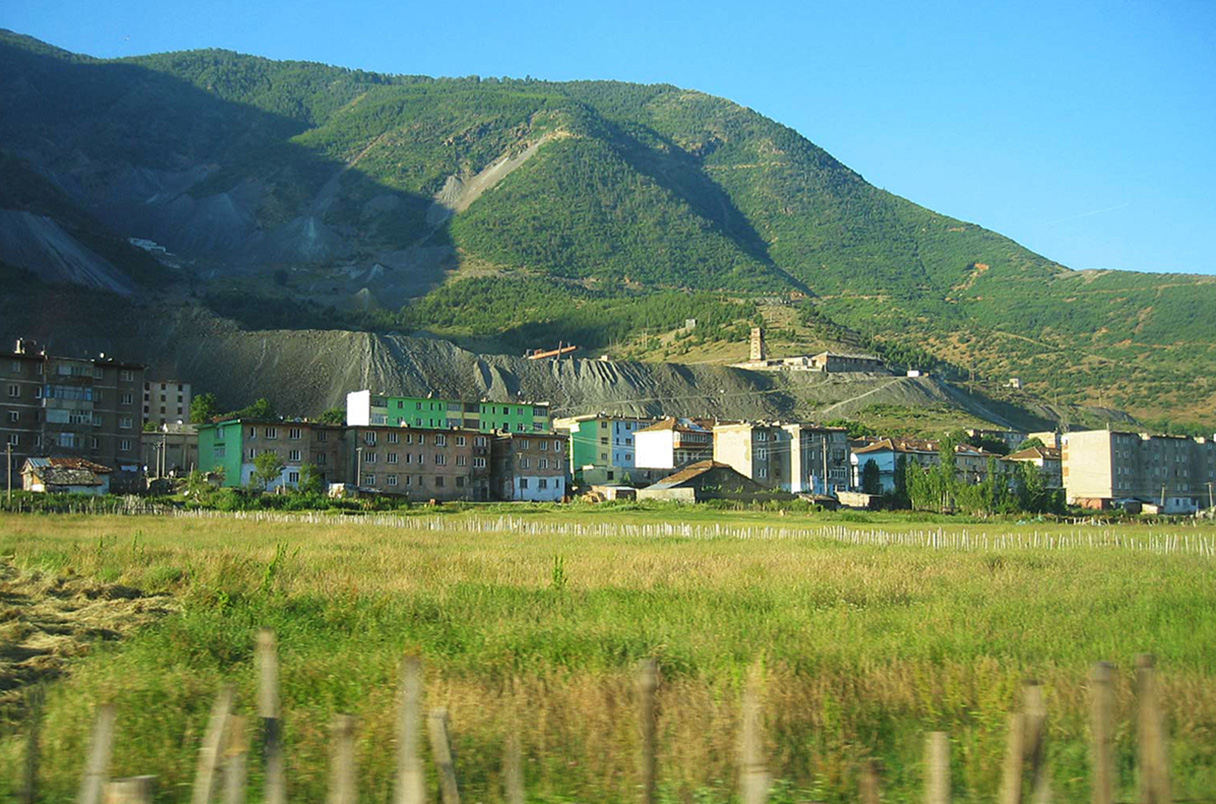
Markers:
<point>826,362</point>
<point>1102,468</point>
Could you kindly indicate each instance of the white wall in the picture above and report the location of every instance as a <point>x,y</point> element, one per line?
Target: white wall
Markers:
<point>655,449</point>
<point>359,408</point>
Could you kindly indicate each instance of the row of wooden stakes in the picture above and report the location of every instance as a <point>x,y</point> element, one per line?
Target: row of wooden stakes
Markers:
<point>221,769</point>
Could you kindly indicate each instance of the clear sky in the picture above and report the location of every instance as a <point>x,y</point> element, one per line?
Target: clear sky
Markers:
<point>1084,130</point>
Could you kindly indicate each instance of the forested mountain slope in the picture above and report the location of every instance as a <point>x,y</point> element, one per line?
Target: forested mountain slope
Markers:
<point>303,183</point>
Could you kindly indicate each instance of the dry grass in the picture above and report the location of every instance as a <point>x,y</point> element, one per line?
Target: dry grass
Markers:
<point>864,648</point>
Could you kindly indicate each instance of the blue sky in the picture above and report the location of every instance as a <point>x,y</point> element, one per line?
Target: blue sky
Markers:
<point>1084,130</point>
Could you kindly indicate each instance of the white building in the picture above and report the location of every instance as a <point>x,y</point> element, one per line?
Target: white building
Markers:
<point>673,443</point>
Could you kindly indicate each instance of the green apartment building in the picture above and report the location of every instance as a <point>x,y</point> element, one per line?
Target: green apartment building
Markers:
<point>363,408</point>
<point>230,446</point>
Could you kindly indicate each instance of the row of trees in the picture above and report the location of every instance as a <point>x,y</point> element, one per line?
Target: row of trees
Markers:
<point>1004,489</point>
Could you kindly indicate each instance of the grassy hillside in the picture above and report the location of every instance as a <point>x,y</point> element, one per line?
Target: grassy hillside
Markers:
<point>652,187</point>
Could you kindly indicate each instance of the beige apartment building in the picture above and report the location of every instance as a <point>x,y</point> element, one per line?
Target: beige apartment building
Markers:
<point>530,467</point>
<point>71,407</point>
<point>1101,468</point>
<point>799,458</point>
<point>167,402</point>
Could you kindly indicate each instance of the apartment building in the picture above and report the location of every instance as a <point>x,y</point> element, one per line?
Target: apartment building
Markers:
<point>886,454</point>
<point>167,402</point>
<point>603,448</point>
<point>1046,459</point>
<point>86,408</point>
<point>1102,468</point>
<point>673,443</point>
<point>530,467</point>
<point>420,464</point>
<point>171,450</point>
<point>231,447</point>
<point>363,409</point>
<point>798,458</point>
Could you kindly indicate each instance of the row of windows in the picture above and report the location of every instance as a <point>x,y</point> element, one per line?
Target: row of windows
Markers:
<point>439,459</point>
<point>542,483</point>
<point>541,463</point>
<point>293,456</point>
<point>419,481</point>
<point>69,440</point>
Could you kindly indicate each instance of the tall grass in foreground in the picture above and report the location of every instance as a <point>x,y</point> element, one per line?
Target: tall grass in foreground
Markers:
<point>864,648</point>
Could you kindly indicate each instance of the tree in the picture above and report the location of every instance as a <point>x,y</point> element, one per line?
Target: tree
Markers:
<point>204,408</point>
<point>333,416</point>
<point>261,409</point>
<point>267,468</point>
<point>855,429</point>
<point>1032,442</point>
<point>871,479</point>
<point>310,480</point>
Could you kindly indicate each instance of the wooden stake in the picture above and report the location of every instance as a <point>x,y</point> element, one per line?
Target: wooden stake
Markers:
<point>236,776</point>
<point>648,682</point>
<point>209,755</point>
<point>1101,721</point>
<point>869,787</point>
<point>342,785</point>
<point>133,790</point>
<point>513,769</point>
<point>1011,772</point>
<point>29,786</point>
<point>753,776</point>
<point>1152,757</point>
<point>937,768</point>
<point>267,661</point>
<point>411,782</point>
<point>1036,743</point>
<point>96,769</point>
<point>441,753</point>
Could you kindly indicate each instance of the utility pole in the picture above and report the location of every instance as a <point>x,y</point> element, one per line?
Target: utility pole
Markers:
<point>1210,503</point>
<point>358,467</point>
<point>824,439</point>
<point>8,450</point>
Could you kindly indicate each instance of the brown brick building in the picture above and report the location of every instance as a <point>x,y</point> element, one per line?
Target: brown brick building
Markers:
<point>89,408</point>
<point>420,464</point>
<point>530,466</point>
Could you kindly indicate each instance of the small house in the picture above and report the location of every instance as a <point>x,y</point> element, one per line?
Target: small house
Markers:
<point>65,476</point>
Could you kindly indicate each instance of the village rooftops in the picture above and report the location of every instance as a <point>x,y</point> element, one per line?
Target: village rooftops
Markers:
<point>66,471</point>
<point>29,350</point>
<point>1035,454</point>
<point>906,445</point>
<point>691,473</point>
<point>679,425</point>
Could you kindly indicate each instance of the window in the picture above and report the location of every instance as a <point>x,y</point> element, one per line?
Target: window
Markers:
<point>479,463</point>
<point>763,472</point>
<point>523,444</point>
<point>460,482</point>
<point>392,480</point>
<point>294,455</point>
<point>543,463</point>
<point>272,432</point>
<point>13,416</point>
<point>369,480</point>
<point>441,440</point>
<point>14,391</point>
<point>123,446</point>
<point>126,375</point>
<point>462,460</point>
<point>603,442</point>
<point>127,399</point>
<point>544,446</point>
<point>369,457</point>
<point>321,435</point>
<point>603,456</point>
<point>392,457</point>
<point>37,392</point>
<point>523,482</point>
<point>293,433</point>
<point>557,445</point>
<point>409,457</point>
<point>421,439</point>
<point>252,453</point>
<point>93,443</point>
<point>460,441</point>
<point>15,367</point>
<point>543,483</point>
<point>408,480</point>
<point>253,432</point>
<point>319,458</point>
<point>441,459</point>
<point>293,477</point>
<point>523,463</point>
<point>124,422</point>
<point>438,481</point>
<point>14,439</point>
<point>394,438</point>
<point>420,459</point>
<point>369,439</point>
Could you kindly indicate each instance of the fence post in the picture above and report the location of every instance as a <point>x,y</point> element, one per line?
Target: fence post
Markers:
<point>648,682</point>
<point>342,778</point>
<point>441,753</point>
<point>513,770</point>
<point>235,767</point>
<point>411,784</point>
<point>753,776</point>
<point>1102,708</point>
<point>99,757</point>
<point>1153,760</point>
<point>29,784</point>
<point>869,787</point>
<point>133,790</point>
<point>1036,743</point>
<point>209,754</point>
<point>1015,747</point>
<point>267,661</point>
<point>937,768</point>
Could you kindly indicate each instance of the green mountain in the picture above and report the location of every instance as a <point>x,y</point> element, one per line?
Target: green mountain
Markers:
<point>519,210</point>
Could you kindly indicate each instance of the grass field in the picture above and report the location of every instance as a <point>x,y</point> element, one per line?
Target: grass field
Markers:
<point>864,647</point>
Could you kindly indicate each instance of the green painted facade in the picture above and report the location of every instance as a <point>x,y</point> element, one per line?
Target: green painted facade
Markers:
<point>220,448</point>
<point>435,414</point>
